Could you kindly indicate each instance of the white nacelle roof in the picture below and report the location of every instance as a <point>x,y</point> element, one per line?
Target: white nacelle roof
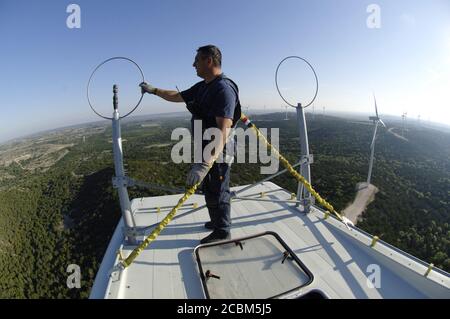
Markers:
<point>341,260</point>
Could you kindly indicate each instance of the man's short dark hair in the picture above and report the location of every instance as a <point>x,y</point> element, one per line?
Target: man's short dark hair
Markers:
<point>213,52</point>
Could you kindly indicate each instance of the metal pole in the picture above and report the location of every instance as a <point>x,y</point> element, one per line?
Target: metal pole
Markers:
<point>120,181</point>
<point>302,194</point>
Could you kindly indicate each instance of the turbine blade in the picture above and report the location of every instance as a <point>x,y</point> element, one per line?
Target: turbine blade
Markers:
<point>382,123</point>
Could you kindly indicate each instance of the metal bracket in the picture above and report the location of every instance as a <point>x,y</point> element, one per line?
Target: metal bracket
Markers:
<point>115,274</point>
<point>307,203</point>
<point>121,181</point>
<point>134,235</point>
<point>309,159</point>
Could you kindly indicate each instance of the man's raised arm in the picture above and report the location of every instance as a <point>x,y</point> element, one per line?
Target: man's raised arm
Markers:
<point>168,95</point>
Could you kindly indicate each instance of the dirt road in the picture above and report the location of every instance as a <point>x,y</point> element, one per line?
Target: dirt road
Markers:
<point>364,196</point>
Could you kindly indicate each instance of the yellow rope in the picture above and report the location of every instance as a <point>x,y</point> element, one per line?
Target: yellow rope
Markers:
<point>189,192</point>
<point>291,170</point>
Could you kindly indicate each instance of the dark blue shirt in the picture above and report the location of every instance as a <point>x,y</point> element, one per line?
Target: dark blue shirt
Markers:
<point>206,101</point>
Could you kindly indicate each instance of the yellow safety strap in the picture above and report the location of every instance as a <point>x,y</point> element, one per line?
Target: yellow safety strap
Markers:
<point>189,192</point>
<point>291,170</point>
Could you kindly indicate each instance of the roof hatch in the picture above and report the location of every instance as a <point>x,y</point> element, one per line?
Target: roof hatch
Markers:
<point>258,266</point>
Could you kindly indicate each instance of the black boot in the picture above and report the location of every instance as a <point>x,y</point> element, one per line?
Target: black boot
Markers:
<point>216,236</point>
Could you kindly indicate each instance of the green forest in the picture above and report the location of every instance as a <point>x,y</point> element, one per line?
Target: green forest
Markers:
<point>66,214</point>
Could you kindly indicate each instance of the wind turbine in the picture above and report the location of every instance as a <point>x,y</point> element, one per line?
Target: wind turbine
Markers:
<point>376,120</point>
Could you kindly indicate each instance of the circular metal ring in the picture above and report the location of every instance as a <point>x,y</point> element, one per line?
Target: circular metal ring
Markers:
<point>315,75</point>
<point>92,74</point>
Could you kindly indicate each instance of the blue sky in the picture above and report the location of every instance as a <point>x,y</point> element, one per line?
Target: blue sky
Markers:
<point>45,65</point>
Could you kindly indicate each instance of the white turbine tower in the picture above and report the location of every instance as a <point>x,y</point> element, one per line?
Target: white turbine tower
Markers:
<point>376,119</point>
